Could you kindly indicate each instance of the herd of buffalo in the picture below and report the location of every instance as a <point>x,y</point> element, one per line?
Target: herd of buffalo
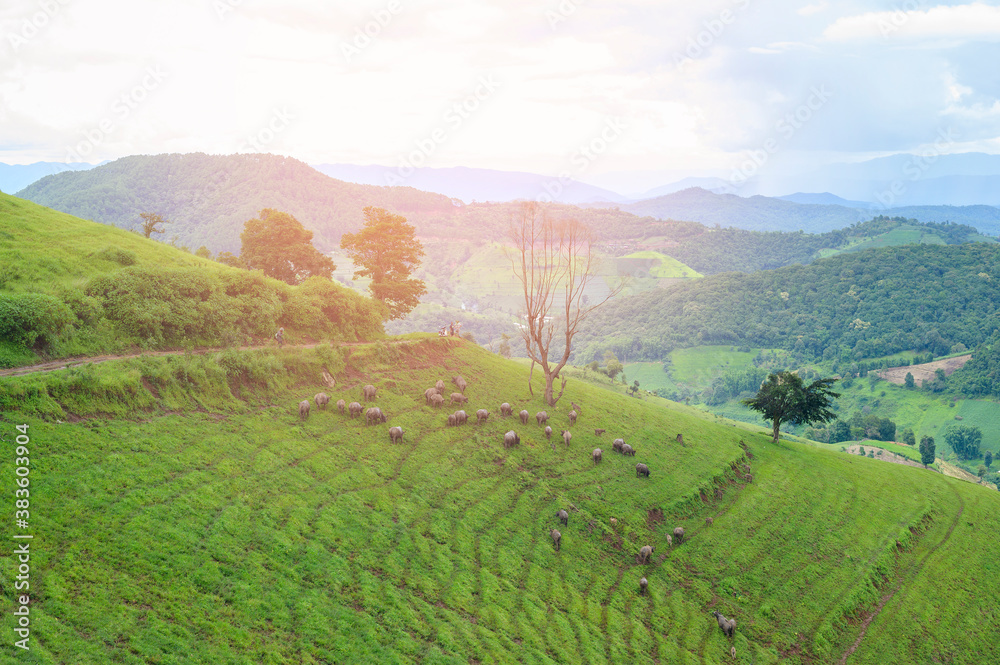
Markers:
<point>434,396</point>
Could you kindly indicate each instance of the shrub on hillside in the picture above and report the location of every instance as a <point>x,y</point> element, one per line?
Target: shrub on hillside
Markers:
<point>176,306</point>
<point>320,308</point>
<point>122,257</point>
<point>164,306</point>
<point>33,320</point>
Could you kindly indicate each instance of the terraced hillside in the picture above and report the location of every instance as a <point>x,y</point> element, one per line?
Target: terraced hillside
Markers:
<point>185,514</point>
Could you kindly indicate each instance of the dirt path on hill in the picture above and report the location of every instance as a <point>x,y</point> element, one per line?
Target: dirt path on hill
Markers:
<point>66,363</point>
<point>903,576</point>
<point>924,372</point>
<point>886,456</point>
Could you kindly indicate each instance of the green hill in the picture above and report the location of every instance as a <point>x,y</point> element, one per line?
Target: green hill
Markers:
<point>658,266</point>
<point>184,513</point>
<point>716,251</point>
<point>208,198</point>
<point>849,307</point>
<point>74,287</point>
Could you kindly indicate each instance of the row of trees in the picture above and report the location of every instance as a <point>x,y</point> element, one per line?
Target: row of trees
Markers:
<point>384,250</point>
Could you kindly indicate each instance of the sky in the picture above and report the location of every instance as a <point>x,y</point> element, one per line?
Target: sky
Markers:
<point>584,88</point>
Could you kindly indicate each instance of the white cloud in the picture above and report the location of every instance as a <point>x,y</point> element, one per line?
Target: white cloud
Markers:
<point>694,81</point>
<point>781,47</point>
<point>973,21</point>
<point>814,8</point>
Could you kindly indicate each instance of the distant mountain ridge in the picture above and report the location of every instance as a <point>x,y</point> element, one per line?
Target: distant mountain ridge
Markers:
<point>824,198</point>
<point>902,179</point>
<point>756,213</point>
<point>471,184</point>
<point>15,177</point>
<point>761,213</point>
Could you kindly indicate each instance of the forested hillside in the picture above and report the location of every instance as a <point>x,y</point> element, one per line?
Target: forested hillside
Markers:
<point>208,198</point>
<point>725,250</point>
<point>981,375</point>
<point>853,306</point>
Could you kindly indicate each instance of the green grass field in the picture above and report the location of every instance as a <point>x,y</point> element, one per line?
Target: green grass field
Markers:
<point>698,365</point>
<point>668,267</point>
<point>185,514</point>
<point>650,376</point>
<point>903,235</point>
<point>926,413</point>
<point>41,248</point>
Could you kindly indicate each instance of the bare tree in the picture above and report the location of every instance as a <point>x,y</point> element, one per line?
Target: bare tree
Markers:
<point>555,263</point>
<point>151,223</point>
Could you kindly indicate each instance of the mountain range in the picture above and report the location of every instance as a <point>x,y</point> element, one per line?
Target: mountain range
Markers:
<point>471,185</point>
<point>209,197</point>
<point>895,181</point>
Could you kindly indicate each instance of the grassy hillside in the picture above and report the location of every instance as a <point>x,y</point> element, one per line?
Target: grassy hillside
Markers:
<point>74,287</point>
<point>184,513</point>
<point>48,249</point>
<point>663,266</point>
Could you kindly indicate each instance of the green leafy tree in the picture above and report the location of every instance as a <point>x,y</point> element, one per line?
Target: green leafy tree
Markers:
<point>840,430</point>
<point>909,438</point>
<point>278,244</point>
<point>988,459</point>
<point>230,259</point>
<point>505,349</point>
<point>387,251</point>
<point>784,398</point>
<point>203,252</point>
<point>964,440</point>
<point>612,366</point>
<point>150,223</point>
<point>908,381</point>
<point>927,450</point>
<point>886,430</point>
